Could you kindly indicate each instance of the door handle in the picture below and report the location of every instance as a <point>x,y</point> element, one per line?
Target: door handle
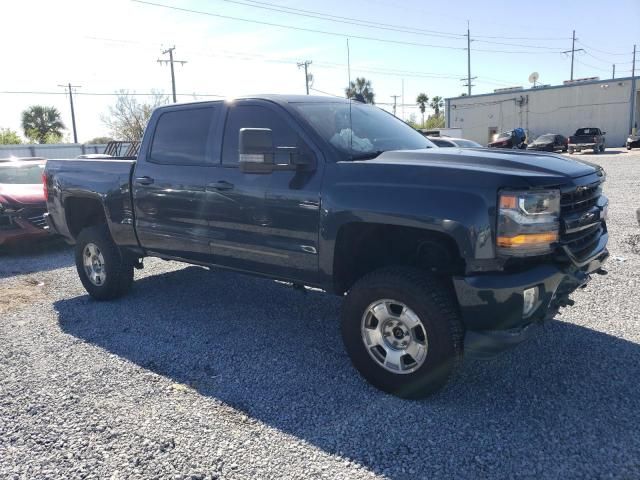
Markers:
<point>221,185</point>
<point>144,180</point>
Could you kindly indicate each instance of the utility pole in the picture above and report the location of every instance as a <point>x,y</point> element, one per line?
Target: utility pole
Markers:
<point>73,113</point>
<point>573,51</point>
<point>395,98</point>
<point>403,116</point>
<point>614,71</point>
<point>305,64</point>
<point>171,61</point>
<point>634,94</point>
<point>468,60</point>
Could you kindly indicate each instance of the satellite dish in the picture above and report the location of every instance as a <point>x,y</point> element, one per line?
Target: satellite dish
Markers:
<point>533,78</point>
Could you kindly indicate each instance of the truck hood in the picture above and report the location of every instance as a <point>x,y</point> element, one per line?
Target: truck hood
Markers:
<point>21,195</point>
<point>498,161</point>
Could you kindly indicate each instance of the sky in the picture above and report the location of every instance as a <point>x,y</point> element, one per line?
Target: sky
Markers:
<point>239,47</point>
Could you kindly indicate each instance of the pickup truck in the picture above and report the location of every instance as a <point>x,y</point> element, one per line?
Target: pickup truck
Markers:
<point>587,139</point>
<point>437,252</point>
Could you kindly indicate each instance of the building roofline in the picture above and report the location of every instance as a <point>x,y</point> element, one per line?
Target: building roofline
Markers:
<point>540,89</point>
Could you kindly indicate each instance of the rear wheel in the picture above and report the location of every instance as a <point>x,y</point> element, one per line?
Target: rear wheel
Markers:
<point>402,331</point>
<point>571,150</point>
<point>103,270</point>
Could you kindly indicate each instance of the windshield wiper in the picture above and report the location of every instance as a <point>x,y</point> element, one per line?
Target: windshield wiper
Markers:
<point>367,155</point>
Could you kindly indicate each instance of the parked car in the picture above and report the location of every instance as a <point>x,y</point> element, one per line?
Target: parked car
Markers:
<point>633,141</point>
<point>587,139</point>
<point>448,142</point>
<point>22,202</point>
<point>550,142</point>
<point>435,251</point>
<point>515,139</point>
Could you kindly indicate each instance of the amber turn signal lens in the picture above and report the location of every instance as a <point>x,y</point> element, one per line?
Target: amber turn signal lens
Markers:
<point>528,239</point>
<point>508,201</point>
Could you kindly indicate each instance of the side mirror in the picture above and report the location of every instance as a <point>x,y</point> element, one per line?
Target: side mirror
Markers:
<point>604,133</point>
<point>256,150</point>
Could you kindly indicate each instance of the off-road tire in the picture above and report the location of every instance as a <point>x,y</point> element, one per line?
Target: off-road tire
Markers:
<point>119,272</point>
<point>434,302</point>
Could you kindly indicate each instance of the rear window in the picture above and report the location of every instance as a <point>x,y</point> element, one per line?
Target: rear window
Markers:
<point>546,138</point>
<point>182,137</point>
<point>442,143</point>
<point>467,144</point>
<point>587,131</point>
<point>21,175</point>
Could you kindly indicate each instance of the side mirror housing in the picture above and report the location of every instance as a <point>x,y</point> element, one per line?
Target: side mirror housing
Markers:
<point>256,150</point>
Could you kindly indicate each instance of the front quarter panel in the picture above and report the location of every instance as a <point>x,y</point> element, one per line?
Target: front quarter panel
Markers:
<point>460,206</point>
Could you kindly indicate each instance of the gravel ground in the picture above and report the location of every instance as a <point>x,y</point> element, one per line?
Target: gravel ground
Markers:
<point>216,375</point>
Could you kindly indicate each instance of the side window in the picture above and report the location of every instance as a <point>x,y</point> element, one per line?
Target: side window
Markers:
<point>254,116</point>
<point>181,136</point>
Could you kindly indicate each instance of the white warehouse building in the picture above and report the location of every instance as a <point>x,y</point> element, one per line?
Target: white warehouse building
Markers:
<point>562,109</point>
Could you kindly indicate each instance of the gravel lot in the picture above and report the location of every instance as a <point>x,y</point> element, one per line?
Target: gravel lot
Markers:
<point>215,375</point>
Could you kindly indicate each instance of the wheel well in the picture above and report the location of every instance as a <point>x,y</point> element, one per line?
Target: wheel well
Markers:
<point>82,213</point>
<point>364,247</point>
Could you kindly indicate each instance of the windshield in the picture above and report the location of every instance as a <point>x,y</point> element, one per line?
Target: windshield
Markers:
<point>370,132</point>
<point>503,135</point>
<point>21,174</point>
<point>546,138</point>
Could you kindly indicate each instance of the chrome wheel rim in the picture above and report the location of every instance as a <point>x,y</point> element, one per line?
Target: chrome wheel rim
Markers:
<point>394,336</point>
<point>93,262</point>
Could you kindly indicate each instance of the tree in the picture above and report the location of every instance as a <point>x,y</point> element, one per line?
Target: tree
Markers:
<point>9,137</point>
<point>361,86</point>
<point>99,141</point>
<point>128,118</point>
<point>42,124</point>
<point>435,122</point>
<point>436,103</point>
<point>422,100</point>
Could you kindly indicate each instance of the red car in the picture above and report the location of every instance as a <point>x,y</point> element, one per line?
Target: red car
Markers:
<point>22,203</point>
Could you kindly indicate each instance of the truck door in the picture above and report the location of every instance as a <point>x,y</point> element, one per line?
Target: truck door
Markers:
<point>266,222</point>
<point>170,182</point>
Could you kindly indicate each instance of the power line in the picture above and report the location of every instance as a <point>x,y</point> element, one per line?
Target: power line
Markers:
<point>108,94</point>
<point>345,20</point>
<point>601,51</point>
<point>325,32</point>
<point>380,25</point>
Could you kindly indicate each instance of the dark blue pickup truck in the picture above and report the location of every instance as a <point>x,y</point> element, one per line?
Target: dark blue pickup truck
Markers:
<point>436,251</point>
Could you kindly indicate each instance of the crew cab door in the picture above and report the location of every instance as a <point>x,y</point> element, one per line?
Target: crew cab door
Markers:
<point>170,182</point>
<point>266,222</point>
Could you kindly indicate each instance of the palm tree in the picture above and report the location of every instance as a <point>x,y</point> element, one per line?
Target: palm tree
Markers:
<point>361,87</point>
<point>42,124</point>
<point>422,100</point>
<point>436,103</point>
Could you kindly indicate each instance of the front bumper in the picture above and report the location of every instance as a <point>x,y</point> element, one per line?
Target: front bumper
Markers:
<point>492,304</point>
<point>21,230</point>
<point>582,146</point>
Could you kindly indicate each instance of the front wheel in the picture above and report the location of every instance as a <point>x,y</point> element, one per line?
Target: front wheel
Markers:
<point>402,331</point>
<point>103,270</point>
<point>602,148</point>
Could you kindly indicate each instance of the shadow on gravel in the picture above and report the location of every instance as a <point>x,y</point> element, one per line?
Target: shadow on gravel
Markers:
<point>566,404</point>
<point>31,257</point>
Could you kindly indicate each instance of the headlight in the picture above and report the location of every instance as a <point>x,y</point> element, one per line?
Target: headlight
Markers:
<point>528,222</point>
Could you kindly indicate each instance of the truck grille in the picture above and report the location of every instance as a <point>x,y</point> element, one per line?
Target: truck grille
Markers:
<point>580,232</point>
